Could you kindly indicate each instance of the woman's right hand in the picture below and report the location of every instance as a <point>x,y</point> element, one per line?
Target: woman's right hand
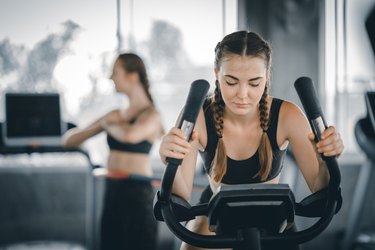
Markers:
<point>175,145</point>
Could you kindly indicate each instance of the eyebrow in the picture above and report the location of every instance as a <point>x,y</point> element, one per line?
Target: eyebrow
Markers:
<point>252,79</point>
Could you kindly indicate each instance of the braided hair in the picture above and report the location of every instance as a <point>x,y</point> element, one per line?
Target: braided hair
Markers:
<point>245,44</point>
<point>133,63</point>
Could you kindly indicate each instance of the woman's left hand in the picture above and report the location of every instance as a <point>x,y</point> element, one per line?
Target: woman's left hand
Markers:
<point>113,117</point>
<point>330,144</point>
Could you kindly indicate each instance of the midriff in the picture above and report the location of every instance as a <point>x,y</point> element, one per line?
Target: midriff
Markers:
<point>129,163</point>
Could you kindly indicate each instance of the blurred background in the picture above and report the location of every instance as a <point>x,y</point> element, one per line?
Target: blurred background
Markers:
<point>69,47</point>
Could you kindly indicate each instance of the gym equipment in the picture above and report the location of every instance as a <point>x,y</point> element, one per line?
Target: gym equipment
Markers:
<point>239,213</point>
<point>364,131</point>
<point>28,215</point>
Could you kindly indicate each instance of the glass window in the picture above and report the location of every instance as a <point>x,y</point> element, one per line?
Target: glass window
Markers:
<point>349,65</point>
<point>70,46</point>
<point>56,46</point>
<point>177,40</point>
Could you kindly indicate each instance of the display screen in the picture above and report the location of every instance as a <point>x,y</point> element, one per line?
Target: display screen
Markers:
<point>32,117</point>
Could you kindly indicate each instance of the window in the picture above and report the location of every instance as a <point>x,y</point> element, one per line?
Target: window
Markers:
<point>55,46</point>
<point>349,65</point>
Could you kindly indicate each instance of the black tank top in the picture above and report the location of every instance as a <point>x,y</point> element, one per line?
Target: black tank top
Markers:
<point>243,171</point>
<point>142,147</point>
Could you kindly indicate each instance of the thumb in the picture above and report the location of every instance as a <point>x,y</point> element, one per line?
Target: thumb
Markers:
<point>194,135</point>
<point>311,137</point>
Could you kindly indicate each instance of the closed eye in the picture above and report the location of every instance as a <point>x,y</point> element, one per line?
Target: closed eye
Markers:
<point>231,83</point>
<point>254,84</point>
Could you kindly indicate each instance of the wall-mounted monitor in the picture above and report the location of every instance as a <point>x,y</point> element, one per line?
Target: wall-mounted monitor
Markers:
<point>32,120</point>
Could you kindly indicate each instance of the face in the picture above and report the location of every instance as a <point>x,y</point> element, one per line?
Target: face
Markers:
<point>123,80</point>
<point>242,80</point>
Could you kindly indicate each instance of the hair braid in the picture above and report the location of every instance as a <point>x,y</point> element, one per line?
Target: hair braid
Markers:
<point>219,164</point>
<point>265,149</point>
<point>263,111</point>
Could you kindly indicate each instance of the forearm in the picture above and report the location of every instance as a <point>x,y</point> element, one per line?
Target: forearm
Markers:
<point>322,178</point>
<point>183,183</point>
<point>180,186</point>
<point>75,137</point>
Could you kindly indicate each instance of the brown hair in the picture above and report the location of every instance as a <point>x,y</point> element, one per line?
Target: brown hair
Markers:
<point>241,43</point>
<point>133,63</point>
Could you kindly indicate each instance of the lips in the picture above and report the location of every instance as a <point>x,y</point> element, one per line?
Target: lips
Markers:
<point>241,105</point>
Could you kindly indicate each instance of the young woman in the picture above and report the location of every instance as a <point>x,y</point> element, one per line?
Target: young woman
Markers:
<point>242,132</point>
<point>127,220</point>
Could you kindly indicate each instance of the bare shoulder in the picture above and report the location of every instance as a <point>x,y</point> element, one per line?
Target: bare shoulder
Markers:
<point>292,120</point>
<point>150,113</point>
<point>290,112</point>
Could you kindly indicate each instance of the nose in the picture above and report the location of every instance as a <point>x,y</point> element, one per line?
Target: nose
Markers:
<point>242,91</point>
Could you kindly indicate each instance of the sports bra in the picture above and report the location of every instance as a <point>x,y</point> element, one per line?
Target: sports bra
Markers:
<point>142,147</point>
<point>243,171</point>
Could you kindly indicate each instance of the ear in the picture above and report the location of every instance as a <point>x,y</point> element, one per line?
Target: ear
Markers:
<point>133,77</point>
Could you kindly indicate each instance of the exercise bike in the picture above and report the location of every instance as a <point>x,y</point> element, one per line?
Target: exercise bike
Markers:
<point>240,214</point>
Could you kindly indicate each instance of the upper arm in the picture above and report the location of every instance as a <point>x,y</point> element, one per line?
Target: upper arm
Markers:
<point>296,128</point>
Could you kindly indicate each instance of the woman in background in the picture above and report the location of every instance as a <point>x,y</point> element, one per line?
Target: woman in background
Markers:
<point>127,219</point>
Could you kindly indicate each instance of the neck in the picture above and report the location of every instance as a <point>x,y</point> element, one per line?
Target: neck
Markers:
<point>138,98</point>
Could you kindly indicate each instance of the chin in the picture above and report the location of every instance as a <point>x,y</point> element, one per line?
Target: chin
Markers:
<point>240,111</point>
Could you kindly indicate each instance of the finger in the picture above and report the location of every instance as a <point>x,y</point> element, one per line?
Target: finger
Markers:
<point>169,152</point>
<point>333,138</point>
<point>173,147</point>
<point>176,155</point>
<point>336,147</point>
<point>178,132</point>
<point>194,136</point>
<point>327,132</point>
<point>174,139</point>
<point>178,148</point>
<point>332,152</point>
<point>170,146</point>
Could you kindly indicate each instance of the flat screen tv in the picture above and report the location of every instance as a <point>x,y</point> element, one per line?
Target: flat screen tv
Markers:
<point>32,120</point>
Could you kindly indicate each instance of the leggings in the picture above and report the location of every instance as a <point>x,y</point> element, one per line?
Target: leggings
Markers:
<point>205,198</point>
<point>127,218</point>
